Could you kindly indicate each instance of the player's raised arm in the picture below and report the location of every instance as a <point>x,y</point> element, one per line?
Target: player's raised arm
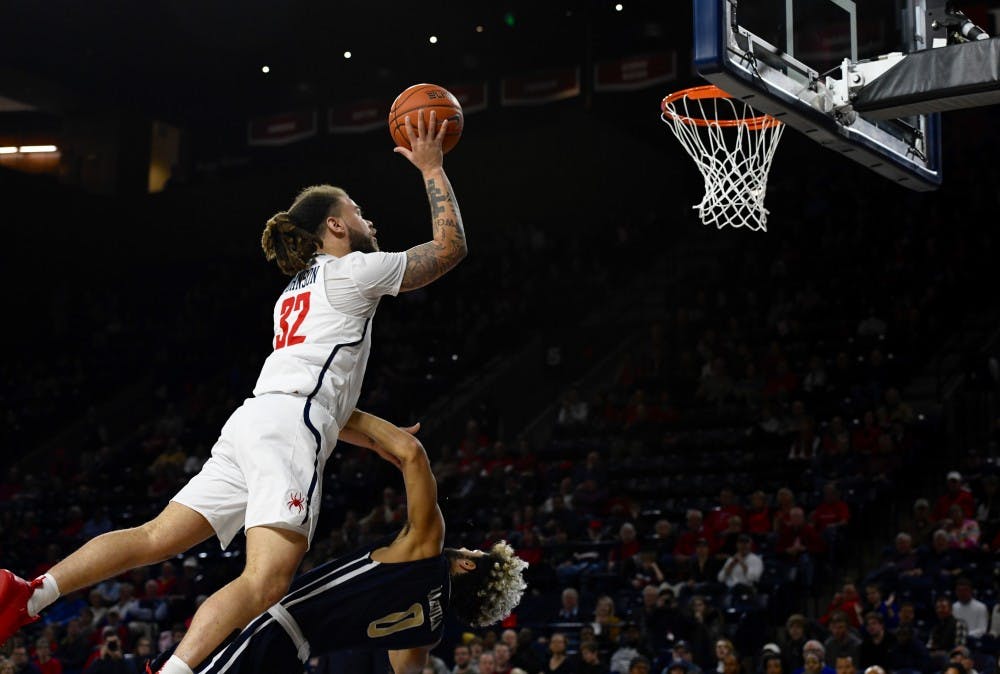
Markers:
<point>431,260</point>
<point>422,512</point>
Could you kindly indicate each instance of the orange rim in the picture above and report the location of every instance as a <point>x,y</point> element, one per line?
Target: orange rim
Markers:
<point>711,91</point>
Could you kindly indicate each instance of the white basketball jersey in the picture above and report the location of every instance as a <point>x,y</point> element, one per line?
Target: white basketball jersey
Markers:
<point>322,329</point>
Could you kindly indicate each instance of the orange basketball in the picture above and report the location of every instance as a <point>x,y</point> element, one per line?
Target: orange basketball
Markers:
<point>426,97</point>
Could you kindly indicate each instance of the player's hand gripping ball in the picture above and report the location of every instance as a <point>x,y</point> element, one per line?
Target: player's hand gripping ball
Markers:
<point>426,97</point>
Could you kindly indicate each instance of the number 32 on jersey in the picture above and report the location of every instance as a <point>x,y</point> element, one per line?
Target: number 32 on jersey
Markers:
<point>288,336</point>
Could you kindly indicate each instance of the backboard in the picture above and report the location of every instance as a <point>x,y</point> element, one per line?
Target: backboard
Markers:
<point>776,55</point>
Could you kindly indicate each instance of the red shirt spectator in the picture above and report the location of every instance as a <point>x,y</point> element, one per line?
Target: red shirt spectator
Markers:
<point>758,520</point>
<point>729,506</point>
<point>798,537</point>
<point>832,511</point>
<point>956,494</point>
<point>688,540</point>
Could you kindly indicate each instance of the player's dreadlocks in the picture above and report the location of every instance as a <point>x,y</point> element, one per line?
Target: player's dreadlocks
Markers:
<point>292,237</point>
<point>491,591</point>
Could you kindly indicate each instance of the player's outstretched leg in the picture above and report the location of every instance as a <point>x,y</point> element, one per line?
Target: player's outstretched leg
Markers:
<point>173,531</point>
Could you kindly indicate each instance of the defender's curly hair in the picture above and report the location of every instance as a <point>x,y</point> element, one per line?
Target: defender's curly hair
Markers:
<point>491,591</point>
<point>291,238</point>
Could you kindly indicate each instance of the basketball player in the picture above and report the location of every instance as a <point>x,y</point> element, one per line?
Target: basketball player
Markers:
<point>265,470</point>
<point>391,596</point>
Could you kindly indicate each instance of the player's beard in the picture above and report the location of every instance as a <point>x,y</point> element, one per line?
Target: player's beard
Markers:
<point>361,242</point>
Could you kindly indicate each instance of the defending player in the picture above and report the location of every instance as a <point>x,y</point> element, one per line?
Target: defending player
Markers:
<point>265,471</point>
<point>392,597</point>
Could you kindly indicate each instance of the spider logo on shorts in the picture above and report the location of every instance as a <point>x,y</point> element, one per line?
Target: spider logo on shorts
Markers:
<point>295,501</point>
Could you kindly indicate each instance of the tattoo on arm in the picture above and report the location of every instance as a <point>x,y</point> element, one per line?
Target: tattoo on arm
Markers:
<point>429,261</point>
<point>436,197</point>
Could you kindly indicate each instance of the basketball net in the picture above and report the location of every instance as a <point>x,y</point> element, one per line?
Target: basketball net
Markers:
<point>733,147</point>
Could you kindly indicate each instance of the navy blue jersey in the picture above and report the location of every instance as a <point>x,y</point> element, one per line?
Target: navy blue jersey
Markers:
<point>352,602</point>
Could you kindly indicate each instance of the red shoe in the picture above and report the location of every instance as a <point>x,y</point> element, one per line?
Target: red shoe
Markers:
<point>14,595</point>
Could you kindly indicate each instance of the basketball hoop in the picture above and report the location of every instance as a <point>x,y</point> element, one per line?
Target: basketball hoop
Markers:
<point>733,146</point>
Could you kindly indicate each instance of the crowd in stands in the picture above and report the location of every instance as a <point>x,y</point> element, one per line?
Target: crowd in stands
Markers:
<point>706,509</point>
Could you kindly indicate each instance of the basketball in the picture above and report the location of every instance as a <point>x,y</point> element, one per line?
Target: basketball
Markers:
<point>429,98</point>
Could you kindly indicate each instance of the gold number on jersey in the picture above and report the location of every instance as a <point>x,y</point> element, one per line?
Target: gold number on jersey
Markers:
<point>396,622</point>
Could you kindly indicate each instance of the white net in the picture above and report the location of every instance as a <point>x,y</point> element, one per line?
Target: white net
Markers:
<point>733,147</point>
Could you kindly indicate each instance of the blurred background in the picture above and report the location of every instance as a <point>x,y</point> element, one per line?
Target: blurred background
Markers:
<point>604,382</point>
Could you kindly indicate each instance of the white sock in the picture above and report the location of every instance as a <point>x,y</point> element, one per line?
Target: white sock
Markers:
<point>43,596</point>
<point>175,666</point>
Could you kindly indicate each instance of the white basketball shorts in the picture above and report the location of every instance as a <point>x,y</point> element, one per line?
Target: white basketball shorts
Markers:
<point>266,468</point>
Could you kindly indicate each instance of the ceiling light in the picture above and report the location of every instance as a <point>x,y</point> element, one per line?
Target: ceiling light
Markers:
<point>8,150</point>
<point>347,54</point>
<point>266,69</point>
<point>619,7</point>
<point>434,39</point>
<point>28,149</point>
<point>479,28</point>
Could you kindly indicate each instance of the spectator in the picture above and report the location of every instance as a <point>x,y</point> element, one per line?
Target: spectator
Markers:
<point>759,518</point>
<point>627,547</point>
<point>969,609</point>
<point>74,647</point>
<point>798,545</point>
<point>590,659</point>
<point>644,570</point>
<point>501,656</point>
<point>743,569</point>
<point>724,543</point>
<point>943,563</point>
<point>831,516</point>
<point>902,566</point>
<point>569,611</point>
<point>729,506</point>
<point>654,618</point>
<point>782,513</point>
<point>43,659</point>
<point>487,663</point>
<point>663,542</point>
<point>879,646</point>
<point>910,653</point>
<point>463,661</point>
<point>842,641</point>
<point>683,652</point>
<point>688,540</point>
<point>770,663</point>
<point>109,659</point>
<point>884,607</point>
<point>639,665</point>
<point>947,631</point>
<point>732,665</point>
<point>606,624</point>
<point>922,524</point>
<point>703,569</point>
<point>723,649</point>
<point>908,619</point>
<point>559,661</point>
<point>812,658</point>
<point>791,642</point>
<point>962,656</point>
<point>963,531</point>
<point>628,650</point>
<point>845,665</point>
<point>143,651</point>
<point>955,494</point>
<point>525,655</point>
<point>19,658</point>
<point>705,627</point>
<point>988,510</point>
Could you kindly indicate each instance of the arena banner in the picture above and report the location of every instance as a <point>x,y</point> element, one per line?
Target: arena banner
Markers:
<point>281,129</point>
<point>472,97</point>
<point>635,72</point>
<point>358,117</point>
<point>540,87</point>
